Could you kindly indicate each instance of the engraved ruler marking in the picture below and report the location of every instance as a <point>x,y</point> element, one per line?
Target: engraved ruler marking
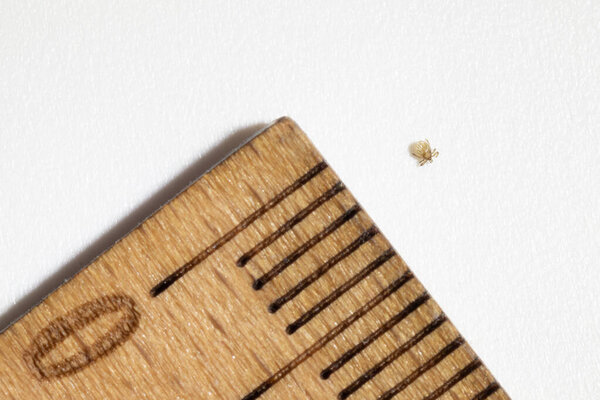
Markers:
<point>337,293</point>
<point>169,280</point>
<point>266,385</point>
<point>303,284</point>
<point>446,351</point>
<point>290,259</point>
<point>487,392</point>
<point>297,295</point>
<point>347,356</point>
<point>296,219</point>
<point>61,328</point>
<point>463,373</point>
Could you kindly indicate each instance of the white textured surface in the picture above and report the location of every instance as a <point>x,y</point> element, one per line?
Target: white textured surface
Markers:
<point>108,108</point>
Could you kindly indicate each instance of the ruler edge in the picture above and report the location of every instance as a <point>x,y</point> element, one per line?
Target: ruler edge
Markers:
<point>20,316</point>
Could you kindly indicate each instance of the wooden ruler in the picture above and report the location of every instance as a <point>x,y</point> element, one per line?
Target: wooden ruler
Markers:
<point>264,279</point>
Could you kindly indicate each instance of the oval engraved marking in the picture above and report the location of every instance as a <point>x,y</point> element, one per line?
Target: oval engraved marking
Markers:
<point>58,330</point>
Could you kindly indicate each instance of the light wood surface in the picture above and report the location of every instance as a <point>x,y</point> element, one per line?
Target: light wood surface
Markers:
<point>322,291</point>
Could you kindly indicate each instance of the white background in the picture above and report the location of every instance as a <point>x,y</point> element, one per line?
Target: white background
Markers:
<point>109,108</point>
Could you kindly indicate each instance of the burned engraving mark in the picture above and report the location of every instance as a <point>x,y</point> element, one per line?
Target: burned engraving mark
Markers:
<point>58,330</point>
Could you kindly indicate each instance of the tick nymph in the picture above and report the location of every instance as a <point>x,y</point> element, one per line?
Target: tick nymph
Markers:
<point>422,151</point>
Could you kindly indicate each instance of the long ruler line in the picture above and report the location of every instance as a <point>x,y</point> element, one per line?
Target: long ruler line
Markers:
<point>381,365</point>
<point>432,362</point>
<point>342,326</point>
<point>187,267</point>
<point>337,293</point>
<point>395,320</point>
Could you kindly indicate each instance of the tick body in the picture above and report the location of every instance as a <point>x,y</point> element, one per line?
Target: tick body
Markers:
<point>423,152</point>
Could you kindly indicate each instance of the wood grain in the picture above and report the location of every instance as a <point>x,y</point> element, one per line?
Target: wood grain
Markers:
<point>281,287</point>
